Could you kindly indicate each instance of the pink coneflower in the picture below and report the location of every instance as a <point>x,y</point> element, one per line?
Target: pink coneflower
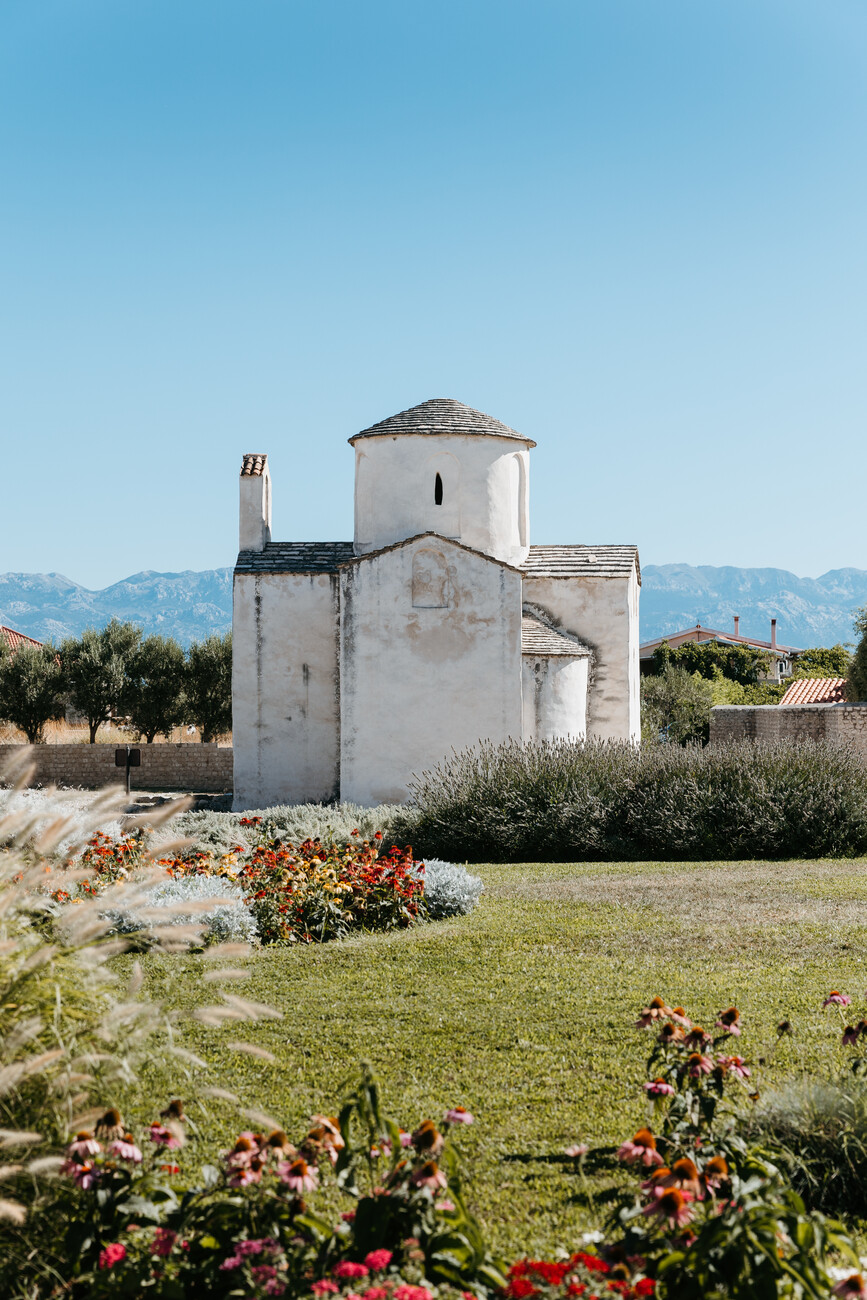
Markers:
<point>429,1175</point>
<point>109,1125</point>
<point>659,1088</point>
<point>347,1268</point>
<point>112,1254</point>
<point>715,1172</point>
<point>734,1065</point>
<point>245,1149</point>
<point>164,1137</point>
<point>673,1205</point>
<point>427,1139</point>
<point>682,1174</point>
<point>641,1149</point>
<point>680,1017</point>
<point>670,1033</point>
<point>247,1174</point>
<point>835,999</point>
<point>854,1286</point>
<point>698,1064</point>
<point>729,1021</point>
<point>298,1175</point>
<point>84,1173</point>
<point>125,1149</point>
<point>850,1036</point>
<point>457,1115</point>
<point>84,1145</point>
<point>697,1037</point>
<point>656,1011</point>
<point>277,1144</point>
<point>405,1138</point>
<point>378,1260</point>
<point>577,1151</point>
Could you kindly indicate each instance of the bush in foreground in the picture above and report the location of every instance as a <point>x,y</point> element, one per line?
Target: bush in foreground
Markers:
<point>566,801</point>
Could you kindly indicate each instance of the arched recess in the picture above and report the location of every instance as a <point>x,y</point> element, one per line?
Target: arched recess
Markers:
<point>442,494</point>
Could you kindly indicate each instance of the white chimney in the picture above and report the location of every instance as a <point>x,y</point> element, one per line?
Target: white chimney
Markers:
<point>255,529</point>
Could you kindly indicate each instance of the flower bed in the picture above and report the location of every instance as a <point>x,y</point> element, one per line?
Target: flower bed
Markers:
<point>305,893</point>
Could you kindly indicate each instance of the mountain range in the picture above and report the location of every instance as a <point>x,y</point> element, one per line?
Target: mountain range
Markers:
<point>192,605</point>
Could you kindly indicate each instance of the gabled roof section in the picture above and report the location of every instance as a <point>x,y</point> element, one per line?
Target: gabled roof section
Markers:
<point>295,557</point>
<point>442,415</point>
<point>253,464</point>
<point>441,541</point>
<point>537,638</point>
<point>816,690</point>
<point>15,640</point>
<point>581,562</point>
<point>700,635</point>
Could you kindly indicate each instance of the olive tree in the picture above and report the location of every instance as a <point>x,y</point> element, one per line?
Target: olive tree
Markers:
<point>675,706</point>
<point>31,688</point>
<point>209,686</point>
<point>97,667</point>
<point>154,697</point>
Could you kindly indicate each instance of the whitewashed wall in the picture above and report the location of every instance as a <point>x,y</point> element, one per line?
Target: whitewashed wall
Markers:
<point>555,697</point>
<point>485,492</point>
<point>285,688</point>
<point>603,613</point>
<point>430,653</point>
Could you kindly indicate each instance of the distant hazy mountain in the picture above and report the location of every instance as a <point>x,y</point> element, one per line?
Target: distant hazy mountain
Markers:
<point>809,611</point>
<point>189,606</point>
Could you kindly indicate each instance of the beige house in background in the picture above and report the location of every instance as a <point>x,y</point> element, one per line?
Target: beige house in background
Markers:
<point>358,663</point>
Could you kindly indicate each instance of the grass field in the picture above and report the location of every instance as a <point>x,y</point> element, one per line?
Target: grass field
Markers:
<point>523,1012</point>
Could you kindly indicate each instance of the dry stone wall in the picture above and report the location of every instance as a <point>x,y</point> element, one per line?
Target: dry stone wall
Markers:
<point>198,768</point>
<point>838,723</point>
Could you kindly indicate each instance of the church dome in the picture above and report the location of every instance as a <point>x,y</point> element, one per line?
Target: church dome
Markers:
<point>442,415</point>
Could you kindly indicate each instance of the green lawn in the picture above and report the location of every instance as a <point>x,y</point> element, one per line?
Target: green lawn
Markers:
<point>523,1012</point>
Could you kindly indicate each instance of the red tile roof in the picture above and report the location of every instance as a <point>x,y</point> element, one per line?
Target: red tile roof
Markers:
<point>16,639</point>
<point>816,690</point>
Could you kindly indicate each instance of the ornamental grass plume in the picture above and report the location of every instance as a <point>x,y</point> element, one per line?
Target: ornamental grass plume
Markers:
<point>70,1031</point>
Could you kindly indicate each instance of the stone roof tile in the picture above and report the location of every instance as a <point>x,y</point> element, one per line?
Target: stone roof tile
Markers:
<point>295,557</point>
<point>581,562</point>
<point>442,415</point>
<point>537,638</point>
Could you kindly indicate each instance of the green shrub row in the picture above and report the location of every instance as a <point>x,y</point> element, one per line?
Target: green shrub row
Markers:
<point>571,802</point>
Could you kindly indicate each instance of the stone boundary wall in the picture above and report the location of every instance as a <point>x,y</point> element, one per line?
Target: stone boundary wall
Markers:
<point>198,768</point>
<point>838,723</point>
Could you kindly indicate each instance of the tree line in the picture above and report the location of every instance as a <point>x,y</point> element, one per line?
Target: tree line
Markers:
<point>116,673</point>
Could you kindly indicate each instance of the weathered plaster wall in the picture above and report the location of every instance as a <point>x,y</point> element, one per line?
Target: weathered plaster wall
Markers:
<point>555,697</point>
<point>285,688</point>
<point>603,613</point>
<point>838,723</point>
<point>199,768</point>
<point>485,492</point>
<point>430,653</point>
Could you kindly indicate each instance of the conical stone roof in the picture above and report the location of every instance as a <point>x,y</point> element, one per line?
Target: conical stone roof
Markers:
<point>442,415</point>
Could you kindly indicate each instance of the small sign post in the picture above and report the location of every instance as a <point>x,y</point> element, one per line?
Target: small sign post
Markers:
<point>127,757</point>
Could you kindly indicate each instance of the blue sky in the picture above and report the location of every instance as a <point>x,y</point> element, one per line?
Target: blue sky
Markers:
<point>632,229</point>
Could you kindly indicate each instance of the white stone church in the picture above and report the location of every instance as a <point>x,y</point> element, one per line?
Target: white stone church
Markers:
<point>358,663</point>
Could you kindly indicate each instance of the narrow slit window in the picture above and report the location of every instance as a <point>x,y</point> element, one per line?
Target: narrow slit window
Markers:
<point>438,491</point>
